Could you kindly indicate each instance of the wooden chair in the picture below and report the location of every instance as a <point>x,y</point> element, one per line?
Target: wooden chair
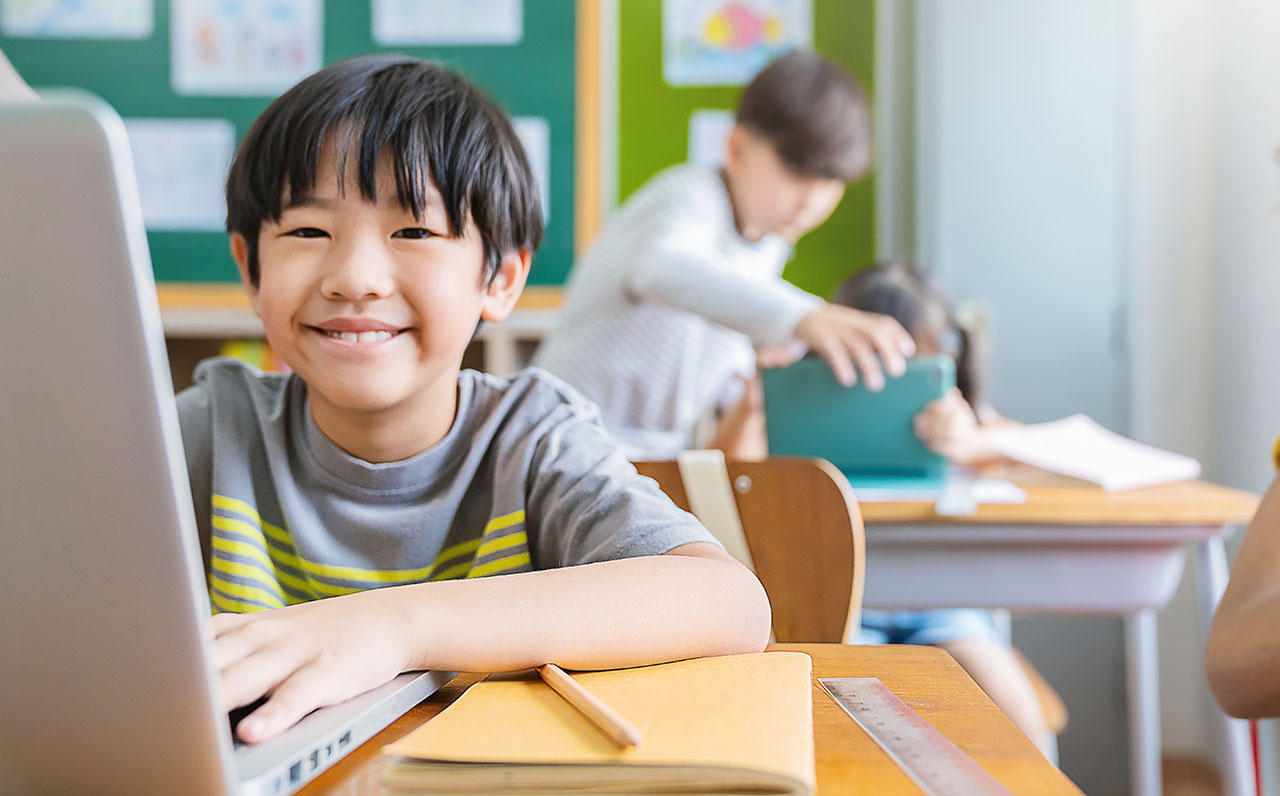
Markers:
<point>805,535</point>
<point>804,530</point>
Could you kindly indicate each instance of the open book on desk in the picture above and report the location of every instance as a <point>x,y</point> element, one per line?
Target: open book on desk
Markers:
<point>733,724</point>
<point>1079,448</point>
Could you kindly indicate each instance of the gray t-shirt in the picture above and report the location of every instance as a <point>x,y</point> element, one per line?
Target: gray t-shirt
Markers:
<point>525,479</point>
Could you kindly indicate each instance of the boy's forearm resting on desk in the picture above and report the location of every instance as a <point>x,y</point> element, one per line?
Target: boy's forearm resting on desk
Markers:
<point>1243,658</point>
<point>694,601</point>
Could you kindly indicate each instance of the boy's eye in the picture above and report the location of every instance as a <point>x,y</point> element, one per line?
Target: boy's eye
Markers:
<point>413,233</point>
<point>307,232</point>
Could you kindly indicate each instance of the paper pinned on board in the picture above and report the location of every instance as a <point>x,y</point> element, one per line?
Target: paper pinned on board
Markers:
<point>447,22</point>
<point>535,136</point>
<point>1078,447</point>
<point>726,42</point>
<point>182,170</point>
<point>77,19</point>
<point>244,49</point>
<point>709,136</point>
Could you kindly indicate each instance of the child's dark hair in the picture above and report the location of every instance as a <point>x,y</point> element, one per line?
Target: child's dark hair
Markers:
<point>814,113</point>
<point>429,121</point>
<point>906,294</point>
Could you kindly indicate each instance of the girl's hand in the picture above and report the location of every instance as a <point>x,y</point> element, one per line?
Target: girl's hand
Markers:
<point>949,427</point>
<point>305,657</point>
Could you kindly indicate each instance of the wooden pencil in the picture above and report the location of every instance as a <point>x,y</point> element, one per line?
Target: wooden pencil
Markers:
<point>621,731</point>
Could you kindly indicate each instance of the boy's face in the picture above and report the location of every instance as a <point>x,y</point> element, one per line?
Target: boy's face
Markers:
<point>370,305</point>
<point>770,197</point>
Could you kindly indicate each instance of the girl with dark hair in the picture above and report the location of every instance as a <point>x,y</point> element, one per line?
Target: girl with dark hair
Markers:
<point>955,426</point>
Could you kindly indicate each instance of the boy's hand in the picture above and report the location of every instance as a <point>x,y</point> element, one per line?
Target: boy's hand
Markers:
<point>306,657</point>
<point>846,337</point>
<point>769,357</point>
<point>949,427</point>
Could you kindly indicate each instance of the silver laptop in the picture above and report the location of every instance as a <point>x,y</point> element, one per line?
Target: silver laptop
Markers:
<point>106,684</point>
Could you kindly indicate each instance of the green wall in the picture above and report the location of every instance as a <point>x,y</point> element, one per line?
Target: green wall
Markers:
<point>653,125</point>
<point>532,78</point>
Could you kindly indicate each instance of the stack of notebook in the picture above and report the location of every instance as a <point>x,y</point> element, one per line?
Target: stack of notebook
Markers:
<point>734,724</point>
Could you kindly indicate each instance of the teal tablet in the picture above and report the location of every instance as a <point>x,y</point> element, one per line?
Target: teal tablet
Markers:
<point>868,435</point>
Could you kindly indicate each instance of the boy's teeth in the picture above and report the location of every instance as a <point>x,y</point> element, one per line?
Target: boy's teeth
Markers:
<point>361,337</point>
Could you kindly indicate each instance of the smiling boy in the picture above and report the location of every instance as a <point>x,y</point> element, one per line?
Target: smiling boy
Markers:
<point>378,211</point>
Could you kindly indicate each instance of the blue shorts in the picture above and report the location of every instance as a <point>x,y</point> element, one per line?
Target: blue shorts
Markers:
<point>928,627</point>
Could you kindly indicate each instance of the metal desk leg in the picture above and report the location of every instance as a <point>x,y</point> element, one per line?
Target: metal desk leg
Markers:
<point>1236,757</point>
<point>1142,673</point>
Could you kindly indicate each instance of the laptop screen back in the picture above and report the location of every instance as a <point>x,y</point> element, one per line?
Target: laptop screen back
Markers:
<point>103,681</point>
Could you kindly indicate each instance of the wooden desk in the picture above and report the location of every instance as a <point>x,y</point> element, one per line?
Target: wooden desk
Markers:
<point>1074,549</point>
<point>848,761</point>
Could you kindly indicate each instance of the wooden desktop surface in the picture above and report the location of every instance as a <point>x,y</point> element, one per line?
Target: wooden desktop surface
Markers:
<point>1052,501</point>
<point>848,761</point>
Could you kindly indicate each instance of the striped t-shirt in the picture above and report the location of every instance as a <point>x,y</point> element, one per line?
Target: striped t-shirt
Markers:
<point>663,309</point>
<point>526,478</point>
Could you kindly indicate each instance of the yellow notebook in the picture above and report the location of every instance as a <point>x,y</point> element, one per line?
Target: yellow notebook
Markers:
<point>735,724</point>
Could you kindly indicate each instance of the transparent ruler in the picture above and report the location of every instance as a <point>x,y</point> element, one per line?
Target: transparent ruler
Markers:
<point>935,764</point>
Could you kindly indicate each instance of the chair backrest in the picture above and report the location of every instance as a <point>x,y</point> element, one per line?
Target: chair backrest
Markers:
<point>805,534</point>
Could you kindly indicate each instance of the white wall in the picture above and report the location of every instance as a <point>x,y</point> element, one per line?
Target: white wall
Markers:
<point>1173,127</point>
<point>1206,271</point>
<point>1135,139</point>
<point>1020,151</point>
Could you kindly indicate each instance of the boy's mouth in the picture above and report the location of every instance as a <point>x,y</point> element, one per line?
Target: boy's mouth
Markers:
<point>358,330</point>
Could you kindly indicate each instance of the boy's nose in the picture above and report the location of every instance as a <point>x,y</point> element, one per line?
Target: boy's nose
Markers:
<point>358,272</point>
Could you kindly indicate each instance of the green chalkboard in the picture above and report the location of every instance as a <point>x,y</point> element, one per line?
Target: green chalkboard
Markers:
<point>532,78</point>
<point>653,126</point>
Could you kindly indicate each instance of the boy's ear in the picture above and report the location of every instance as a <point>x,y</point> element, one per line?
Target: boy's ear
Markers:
<point>735,143</point>
<point>240,253</point>
<point>504,289</point>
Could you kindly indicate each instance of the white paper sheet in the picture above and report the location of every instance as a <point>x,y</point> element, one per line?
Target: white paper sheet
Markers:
<point>1080,448</point>
<point>182,168</point>
<point>725,42</point>
<point>450,22</point>
<point>244,47</point>
<point>77,19</point>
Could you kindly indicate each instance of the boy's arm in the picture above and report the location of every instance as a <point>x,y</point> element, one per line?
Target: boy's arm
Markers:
<point>599,598</point>
<point>12,86</point>
<point>1243,655</point>
<point>693,601</point>
<point>678,271</point>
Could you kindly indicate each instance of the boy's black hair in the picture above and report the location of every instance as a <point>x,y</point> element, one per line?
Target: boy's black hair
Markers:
<point>813,112</point>
<point>905,293</point>
<point>433,125</point>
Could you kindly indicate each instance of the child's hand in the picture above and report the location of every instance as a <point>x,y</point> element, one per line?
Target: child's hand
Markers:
<point>769,357</point>
<point>306,657</point>
<point>949,427</point>
<point>844,337</point>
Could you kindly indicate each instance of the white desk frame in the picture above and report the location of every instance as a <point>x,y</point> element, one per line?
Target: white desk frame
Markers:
<point>1132,571</point>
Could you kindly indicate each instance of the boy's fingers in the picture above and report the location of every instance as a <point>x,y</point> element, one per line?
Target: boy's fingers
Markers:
<point>301,692</point>
<point>231,646</point>
<point>223,623</point>
<point>890,349</point>
<point>868,366</point>
<point>251,677</point>
<point>841,366</point>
